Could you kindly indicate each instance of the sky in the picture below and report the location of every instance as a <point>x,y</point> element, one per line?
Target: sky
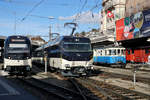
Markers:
<point>32,17</point>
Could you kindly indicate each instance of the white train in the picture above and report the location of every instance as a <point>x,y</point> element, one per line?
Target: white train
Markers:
<point>17,55</point>
<point>68,54</point>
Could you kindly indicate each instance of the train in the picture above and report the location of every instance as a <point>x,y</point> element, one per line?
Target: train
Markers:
<point>109,55</point>
<point>69,55</point>
<point>17,55</point>
<point>138,55</point>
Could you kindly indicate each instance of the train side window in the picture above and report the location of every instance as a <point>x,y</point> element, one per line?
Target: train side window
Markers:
<point>113,52</point>
<point>146,51</point>
<point>109,52</point>
<point>105,52</point>
<point>119,52</point>
<point>102,52</point>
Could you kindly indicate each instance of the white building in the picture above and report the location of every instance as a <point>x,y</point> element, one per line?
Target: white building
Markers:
<point>112,10</point>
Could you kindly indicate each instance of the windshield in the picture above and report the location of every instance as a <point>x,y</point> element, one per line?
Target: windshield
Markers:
<point>77,47</point>
<point>18,47</point>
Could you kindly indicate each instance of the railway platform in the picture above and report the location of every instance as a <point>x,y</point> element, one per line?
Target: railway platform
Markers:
<point>11,91</point>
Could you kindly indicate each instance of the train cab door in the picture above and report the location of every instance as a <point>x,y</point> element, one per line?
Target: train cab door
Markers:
<point>128,55</point>
<point>132,55</point>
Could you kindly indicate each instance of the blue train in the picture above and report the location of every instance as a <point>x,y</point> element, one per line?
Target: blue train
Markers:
<point>109,55</point>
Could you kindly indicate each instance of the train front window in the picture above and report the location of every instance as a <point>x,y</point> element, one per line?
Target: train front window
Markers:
<point>79,47</point>
<point>18,47</point>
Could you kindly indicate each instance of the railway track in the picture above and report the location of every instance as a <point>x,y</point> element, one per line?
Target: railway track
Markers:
<point>57,91</point>
<point>73,85</point>
<point>87,89</point>
<point>116,67</point>
<point>126,77</point>
<point>99,90</point>
<point>111,92</point>
<point>144,70</point>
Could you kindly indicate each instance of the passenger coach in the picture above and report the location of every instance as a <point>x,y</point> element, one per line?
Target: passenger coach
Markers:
<point>69,54</point>
<point>17,55</point>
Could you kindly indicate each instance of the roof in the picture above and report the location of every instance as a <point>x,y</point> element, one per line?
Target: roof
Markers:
<point>3,37</point>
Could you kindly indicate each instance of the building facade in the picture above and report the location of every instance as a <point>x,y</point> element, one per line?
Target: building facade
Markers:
<point>112,10</point>
<point>134,6</point>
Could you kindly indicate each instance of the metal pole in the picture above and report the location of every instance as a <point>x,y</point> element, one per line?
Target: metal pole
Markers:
<point>50,34</point>
<point>45,64</point>
<point>134,78</point>
<point>15,23</point>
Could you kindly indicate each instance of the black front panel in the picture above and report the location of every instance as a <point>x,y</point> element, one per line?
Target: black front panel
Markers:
<point>18,56</point>
<point>77,56</point>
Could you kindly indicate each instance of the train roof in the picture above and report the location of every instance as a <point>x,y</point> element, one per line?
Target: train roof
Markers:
<point>17,37</point>
<point>58,40</point>
<point>8,39</point>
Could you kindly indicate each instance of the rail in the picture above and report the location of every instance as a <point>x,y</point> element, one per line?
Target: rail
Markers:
<point>51,89</point>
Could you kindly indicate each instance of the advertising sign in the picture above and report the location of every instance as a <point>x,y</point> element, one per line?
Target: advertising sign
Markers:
<point>135,26</point>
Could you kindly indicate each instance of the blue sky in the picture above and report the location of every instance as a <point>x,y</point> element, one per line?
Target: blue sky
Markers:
<point>62,10</point>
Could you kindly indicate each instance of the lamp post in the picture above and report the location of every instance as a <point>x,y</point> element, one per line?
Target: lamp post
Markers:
<point>50,39</point>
